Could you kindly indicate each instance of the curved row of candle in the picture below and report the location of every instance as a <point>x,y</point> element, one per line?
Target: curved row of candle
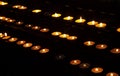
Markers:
<point>95,70</point>
<point>4,36</point>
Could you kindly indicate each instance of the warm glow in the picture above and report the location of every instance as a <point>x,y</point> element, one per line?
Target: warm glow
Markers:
<point>28,25</point>
<point>75,62</point>
<point>115,51</point>
<point>84,65</point>
<point>97,70</point>
<point>10,20</point>
<point>112,74</point>
<point>89,43</point>
<point>37,47</point>
<point>1,35</point>
<point>72,37</point>
<point>16,6</point>
<point>64,36</point>
<point>36,11</point>
<point>92,22</point>
<point>101,46</point>
<point>2,18</point>
<point>118,29</point>
<point>35,27</point>
<point>56,33</point>
<point>13,39</point>
<point>44,30</point>
<point>26,45</point>
<point>45,50</point>
<point>21,42</point>
<point>56,15</point>
<point>81,20</point>
<point>3,3</point>
<point>22,7</point>
<point>100,25</point>
<point>68,18</point>
<point>19,23</point>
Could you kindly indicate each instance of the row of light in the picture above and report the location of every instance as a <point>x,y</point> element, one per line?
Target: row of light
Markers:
<point>4,36</point>
<point>95,70</point>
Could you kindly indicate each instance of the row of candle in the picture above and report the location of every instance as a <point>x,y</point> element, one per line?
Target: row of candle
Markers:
<point>4,36</point>
<point>95,70</point>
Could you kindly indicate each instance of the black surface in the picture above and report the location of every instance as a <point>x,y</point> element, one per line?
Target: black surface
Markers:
<point>17,61</point>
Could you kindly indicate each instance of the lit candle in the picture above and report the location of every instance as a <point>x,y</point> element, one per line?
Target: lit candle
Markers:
<point>22,7</point>
<point>84,65</point>
<point>100,25</point>
<point>36,11</point>
<point>56,33</point>
<point>37,47</point>
<point>68,18</point>
<point>44,30</point>
<point>115,50</point>
<point>92,22</point>
<point>6,36</point>
<point>21,42</point>
<point>45,50</point>
<point>28,25</point>
<point>2,17</point>
<point>19,23</point>
<point>101,46</point>
<point>81,20</point>
<point>89,43</point>
<point>27,45</point>
<point>118,29</point>
<point>13,39</point>
<point>97,70</point>
<point>64,36</point>
<point>72,37</point>
<point>10,20</point>
<point>112,74</point>
<point>1,35</point>
<point>75,62</point>
<point>3,3</point>
<point>56,15</point>
<point>35,27</point>
<point>16,6</point>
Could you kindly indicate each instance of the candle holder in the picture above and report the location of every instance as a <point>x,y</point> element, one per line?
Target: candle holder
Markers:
<point>97,70</point>
<point>63,35</point>
<point>43,51</point>
<point>57,33</point>
<point>22,7</point>
<point>101,46</point>
<point>72,37</point>
<point>37,47</point>
<point>89,43</point>
<point>27,45</point>
<point>44,30</point>
<point>13,39</point>
<point>3,3</point>
<point>84,65</point>
<point>68,18</point>
<point>16,6</point>
<point>92,22</point>
<point>115,51</point>
<point>21,42</point>
<point>35,27</point>
<point>101,25</point>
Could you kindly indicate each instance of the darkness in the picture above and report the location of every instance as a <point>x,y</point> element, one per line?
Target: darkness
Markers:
<point>16,60</point>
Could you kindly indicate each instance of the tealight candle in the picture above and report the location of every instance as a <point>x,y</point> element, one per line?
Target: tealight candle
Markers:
<point>44,30</point>
<point>64,36</point>
<point>115,51</point>
<point>10,20</point>
<point>27,45</point>
<point>45,50</point>
<point>89,43</point>
<point>3,3</point>
<point>118,29</point>
<point>16,6</point>
<point>112,74</point>
<point>92,22</point>
<point>36,11</point>
<point>22,7</point>
<point>84,65</point>
<point>81,20</point>
<point>97,70</point>
<point>56,33</point>
<point>6,36</point>
<point>2,17</point>
<point>100,25</point>
<point>37,47</point>
<point>56,15</point>
<point>75,62</point>
<point>1,35</point>
<point>72,37</point>
<point>13,39</point>
<point>21,42</point>
<point>101,46</point>
<point>68,18</point>
<point>35,27</point>
<point>28,25</point>
<point>19,23</point>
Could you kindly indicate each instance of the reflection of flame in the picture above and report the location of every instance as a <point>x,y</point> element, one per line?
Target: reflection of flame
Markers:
<point>5,34</point>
